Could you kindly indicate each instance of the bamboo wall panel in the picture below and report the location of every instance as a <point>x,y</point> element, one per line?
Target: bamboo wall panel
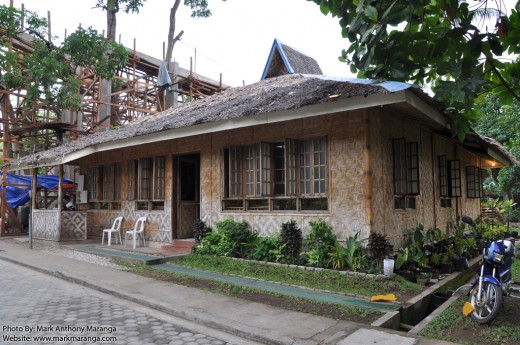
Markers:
<point>73,226</point>
<point>46,225</point>
<point>360,176</point>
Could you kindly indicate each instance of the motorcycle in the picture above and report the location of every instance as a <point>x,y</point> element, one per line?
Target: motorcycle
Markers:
<point>494,279</point>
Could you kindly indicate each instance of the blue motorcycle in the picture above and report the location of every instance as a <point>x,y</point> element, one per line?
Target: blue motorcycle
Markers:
<point>494,280</point>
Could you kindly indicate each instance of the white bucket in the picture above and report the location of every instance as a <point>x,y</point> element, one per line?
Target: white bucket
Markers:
<point>388,267</point>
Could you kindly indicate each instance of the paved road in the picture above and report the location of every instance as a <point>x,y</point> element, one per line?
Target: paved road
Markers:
<point>36,305</point>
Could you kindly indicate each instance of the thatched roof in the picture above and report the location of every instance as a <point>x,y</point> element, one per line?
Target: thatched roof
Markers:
<point>492,143</point>
<point>286,60</point>
<point>288,92</point>
<point>270,100</point>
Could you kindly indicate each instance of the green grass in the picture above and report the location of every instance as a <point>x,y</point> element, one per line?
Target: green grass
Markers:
<point>447,326</point>
<point>288,302</point>
<point>516,270</point>
<point>331,281</point>
<point>503,330</point>
<point>450,318</point>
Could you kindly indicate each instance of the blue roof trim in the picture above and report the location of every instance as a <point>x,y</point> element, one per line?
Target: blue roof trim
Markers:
<point>392,86</point>
<point>277,45</point>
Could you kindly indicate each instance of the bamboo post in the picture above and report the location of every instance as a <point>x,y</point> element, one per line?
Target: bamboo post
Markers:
<point>34,185</point>
<point>60,198</point>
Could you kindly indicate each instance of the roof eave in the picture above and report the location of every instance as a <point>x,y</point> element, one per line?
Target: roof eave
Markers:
<point>348,104</point>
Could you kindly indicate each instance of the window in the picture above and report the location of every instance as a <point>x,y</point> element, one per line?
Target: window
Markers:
<point>132,179</point>
<point>93,183</point>
<point>474,182</point>
<point>443,182</point>
<point>104,187</point>
<point>282,176</point>
<point>455,185</point>
<point>150,183</point>
<point>406,173</point>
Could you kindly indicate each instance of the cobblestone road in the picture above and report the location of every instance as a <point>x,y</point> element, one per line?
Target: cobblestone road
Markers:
<point>35,305</point>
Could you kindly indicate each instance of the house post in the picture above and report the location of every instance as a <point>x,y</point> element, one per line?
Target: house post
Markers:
<point>34,185</point>
<point>60,198</point>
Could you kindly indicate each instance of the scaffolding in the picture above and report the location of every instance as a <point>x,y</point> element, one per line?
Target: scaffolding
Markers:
<point>132,94</point>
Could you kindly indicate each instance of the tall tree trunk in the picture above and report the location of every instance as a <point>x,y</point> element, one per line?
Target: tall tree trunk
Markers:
<point>171,32</point>
<point>112,9</point>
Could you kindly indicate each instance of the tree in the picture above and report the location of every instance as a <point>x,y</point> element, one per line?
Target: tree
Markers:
<point>503,124</point>
<point>112,8</point>
<point>199,9</point>
<point>439,43</point>
<point>48,72</point>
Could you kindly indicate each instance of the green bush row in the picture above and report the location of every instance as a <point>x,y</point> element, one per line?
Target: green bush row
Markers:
<point>319,248</point>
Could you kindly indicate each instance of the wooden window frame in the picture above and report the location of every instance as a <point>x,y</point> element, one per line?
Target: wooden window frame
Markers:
<point>455,178</point>
<point>473,182</point>
<point>253,175</point>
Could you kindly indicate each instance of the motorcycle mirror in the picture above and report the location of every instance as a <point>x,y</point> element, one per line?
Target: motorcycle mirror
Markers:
<point>467,220</point>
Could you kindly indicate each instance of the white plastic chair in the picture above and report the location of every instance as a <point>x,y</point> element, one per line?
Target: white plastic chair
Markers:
<point>114,230</point>
<point>139,224</point>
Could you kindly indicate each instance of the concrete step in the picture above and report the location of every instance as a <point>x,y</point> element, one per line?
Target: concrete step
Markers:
<point>180,245</point>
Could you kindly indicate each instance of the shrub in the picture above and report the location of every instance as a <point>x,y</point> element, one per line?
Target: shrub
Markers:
<point>379,247</point>
<point>268,248</point>
<point>235,237</point>
<point>355,256</point>
<point>291,238</point>
<point>200,230</point>
<point>320,242</point>
<point>209,245</point>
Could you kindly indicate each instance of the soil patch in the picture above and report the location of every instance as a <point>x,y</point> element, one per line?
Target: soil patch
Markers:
<point>289,303</point>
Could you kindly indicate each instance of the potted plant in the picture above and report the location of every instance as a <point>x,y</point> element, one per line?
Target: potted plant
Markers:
<point>423,277</point>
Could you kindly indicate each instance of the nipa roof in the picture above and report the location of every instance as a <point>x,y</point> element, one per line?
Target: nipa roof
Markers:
<point>268,101</point>
<point>286,60</point>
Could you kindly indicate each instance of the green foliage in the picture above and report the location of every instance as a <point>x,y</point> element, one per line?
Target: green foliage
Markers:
<point>200,230</point>
<point>96,52</point>
<point>332,281</point>
<point>235,236</point>
<point>291,237</point>
<point>113,5</point>
<point>380,247</point>
<point>199,8</point>
<point>268,248</point>
<point>210,244</point>
<point>48,71</point>
<point>437,42</point>
<point>320,242</point>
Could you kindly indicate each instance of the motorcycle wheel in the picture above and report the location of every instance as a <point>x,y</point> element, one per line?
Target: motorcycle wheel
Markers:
<point>488,309</point>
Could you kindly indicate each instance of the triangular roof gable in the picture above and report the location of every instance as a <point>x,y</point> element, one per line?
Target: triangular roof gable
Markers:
<point>293,62</point>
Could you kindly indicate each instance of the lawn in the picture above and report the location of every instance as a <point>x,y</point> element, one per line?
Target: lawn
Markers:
<point>360,285</point>
<point>363,285</point>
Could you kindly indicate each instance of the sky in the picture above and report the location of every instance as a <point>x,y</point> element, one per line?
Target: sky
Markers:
<point>235,40</point>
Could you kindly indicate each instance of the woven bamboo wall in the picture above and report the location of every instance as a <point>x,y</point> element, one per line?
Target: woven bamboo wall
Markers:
<point>428,211</point>
<point>360,176</point>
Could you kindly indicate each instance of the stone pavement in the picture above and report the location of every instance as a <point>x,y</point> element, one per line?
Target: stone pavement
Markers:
<point>38,308</point>
<point>253,321</point>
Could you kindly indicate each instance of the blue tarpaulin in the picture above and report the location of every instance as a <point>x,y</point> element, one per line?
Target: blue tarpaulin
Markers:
<point>19,194</point>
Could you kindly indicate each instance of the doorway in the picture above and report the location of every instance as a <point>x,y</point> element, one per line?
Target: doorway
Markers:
<point>186,194</point>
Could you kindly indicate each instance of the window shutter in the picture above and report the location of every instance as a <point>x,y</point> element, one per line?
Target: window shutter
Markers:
<point>399,153</point>
<point>265,168</point>
<point>454,178</point>
<point>412,168</point>
<point>290,167</point>
<point>235,171</point>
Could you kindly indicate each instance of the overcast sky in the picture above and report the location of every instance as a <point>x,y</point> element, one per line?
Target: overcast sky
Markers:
<point>235,41</point>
